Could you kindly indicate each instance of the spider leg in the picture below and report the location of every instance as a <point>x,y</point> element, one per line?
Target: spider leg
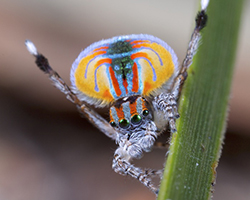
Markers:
<point>154,172</point>
<point>91,115</point>
<point>166,103</point>
<point>133,147</point>
<point>201,20</point>
<point>121,165</point>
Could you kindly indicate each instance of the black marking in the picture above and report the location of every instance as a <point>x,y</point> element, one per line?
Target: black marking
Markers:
<point>129,135</point>
<point>119,47</point>
<point>122,66</point>
<point>120,101</point>
<point>201,20</point>
<point>43,63</point>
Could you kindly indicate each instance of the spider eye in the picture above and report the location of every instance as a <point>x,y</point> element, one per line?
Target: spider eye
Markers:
<point>113,124</point>
<point>136,119</point>
<point>145,112</point>
<point>123,123</point>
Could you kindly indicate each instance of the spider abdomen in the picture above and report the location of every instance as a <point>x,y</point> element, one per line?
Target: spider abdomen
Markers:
<point>123,66</point>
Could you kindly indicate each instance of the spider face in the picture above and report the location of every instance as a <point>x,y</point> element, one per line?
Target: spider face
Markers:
<point>133,119</point>
<point>130,112</point>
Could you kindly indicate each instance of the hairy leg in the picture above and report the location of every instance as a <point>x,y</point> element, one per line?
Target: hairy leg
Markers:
<point>122,166</point>
<point>91,115</point>
<point>167,102</point>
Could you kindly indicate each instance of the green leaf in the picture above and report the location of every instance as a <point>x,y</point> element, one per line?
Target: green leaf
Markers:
<point>195,149</point>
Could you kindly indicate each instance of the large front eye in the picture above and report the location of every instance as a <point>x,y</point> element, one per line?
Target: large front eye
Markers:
<point>136,119</point>
<point>123,123</point>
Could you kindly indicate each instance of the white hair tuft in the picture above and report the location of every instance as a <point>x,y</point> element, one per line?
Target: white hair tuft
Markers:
<point>31,47</point>
<point>204,4</point>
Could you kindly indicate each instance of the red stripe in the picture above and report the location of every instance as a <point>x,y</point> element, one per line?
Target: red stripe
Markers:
<point>141,45</point>
<point>98,53</point>
<point>133,109</point>
<point>138,41</point>
<point>120,113</point>
<point>125,84</point>
<point>135,78</point>
<point>114,82</point>
<point>138,55</point>
<point>102,61</point>
<point>101,48</point>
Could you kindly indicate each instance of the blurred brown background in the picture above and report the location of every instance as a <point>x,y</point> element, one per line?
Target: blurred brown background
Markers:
<point>47,151</point>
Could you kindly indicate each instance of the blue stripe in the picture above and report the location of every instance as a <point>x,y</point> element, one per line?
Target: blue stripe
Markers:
<point>120,82</point>
<point>139,78</point>
<point>96,86</point>
<point>154,52</point>
<point>86,70</point>
<point>153,69</point>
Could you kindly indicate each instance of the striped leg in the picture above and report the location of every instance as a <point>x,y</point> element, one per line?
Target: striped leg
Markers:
<point>121,165</point>
<point>167,102</point>
<point>201,21</point>
<point>59,83</point>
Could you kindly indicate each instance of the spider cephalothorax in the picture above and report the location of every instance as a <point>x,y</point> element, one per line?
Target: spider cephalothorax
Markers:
<point>133,119</point>
<point>139,78</point>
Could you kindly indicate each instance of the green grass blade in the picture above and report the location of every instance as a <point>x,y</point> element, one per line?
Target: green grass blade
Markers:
<point>195,150</point>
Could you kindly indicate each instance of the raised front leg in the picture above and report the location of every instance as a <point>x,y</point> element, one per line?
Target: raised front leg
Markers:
<point>201,20</point>
<point>165,104</point>
<point>91,115</point>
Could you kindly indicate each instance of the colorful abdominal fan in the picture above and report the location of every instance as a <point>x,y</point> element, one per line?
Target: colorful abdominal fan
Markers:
<point>123,66</point>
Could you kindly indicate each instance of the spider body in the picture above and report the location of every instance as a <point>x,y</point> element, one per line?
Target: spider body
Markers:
<point>126,72</point>
<point>139,79</point>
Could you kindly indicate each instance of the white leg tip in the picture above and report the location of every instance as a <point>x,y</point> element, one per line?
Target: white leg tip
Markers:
<point>31,47</point>
<point>204,4</point>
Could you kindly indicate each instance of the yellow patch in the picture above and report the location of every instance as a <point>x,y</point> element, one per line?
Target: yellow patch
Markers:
<point>93,81</point>
<point>162,70</point>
